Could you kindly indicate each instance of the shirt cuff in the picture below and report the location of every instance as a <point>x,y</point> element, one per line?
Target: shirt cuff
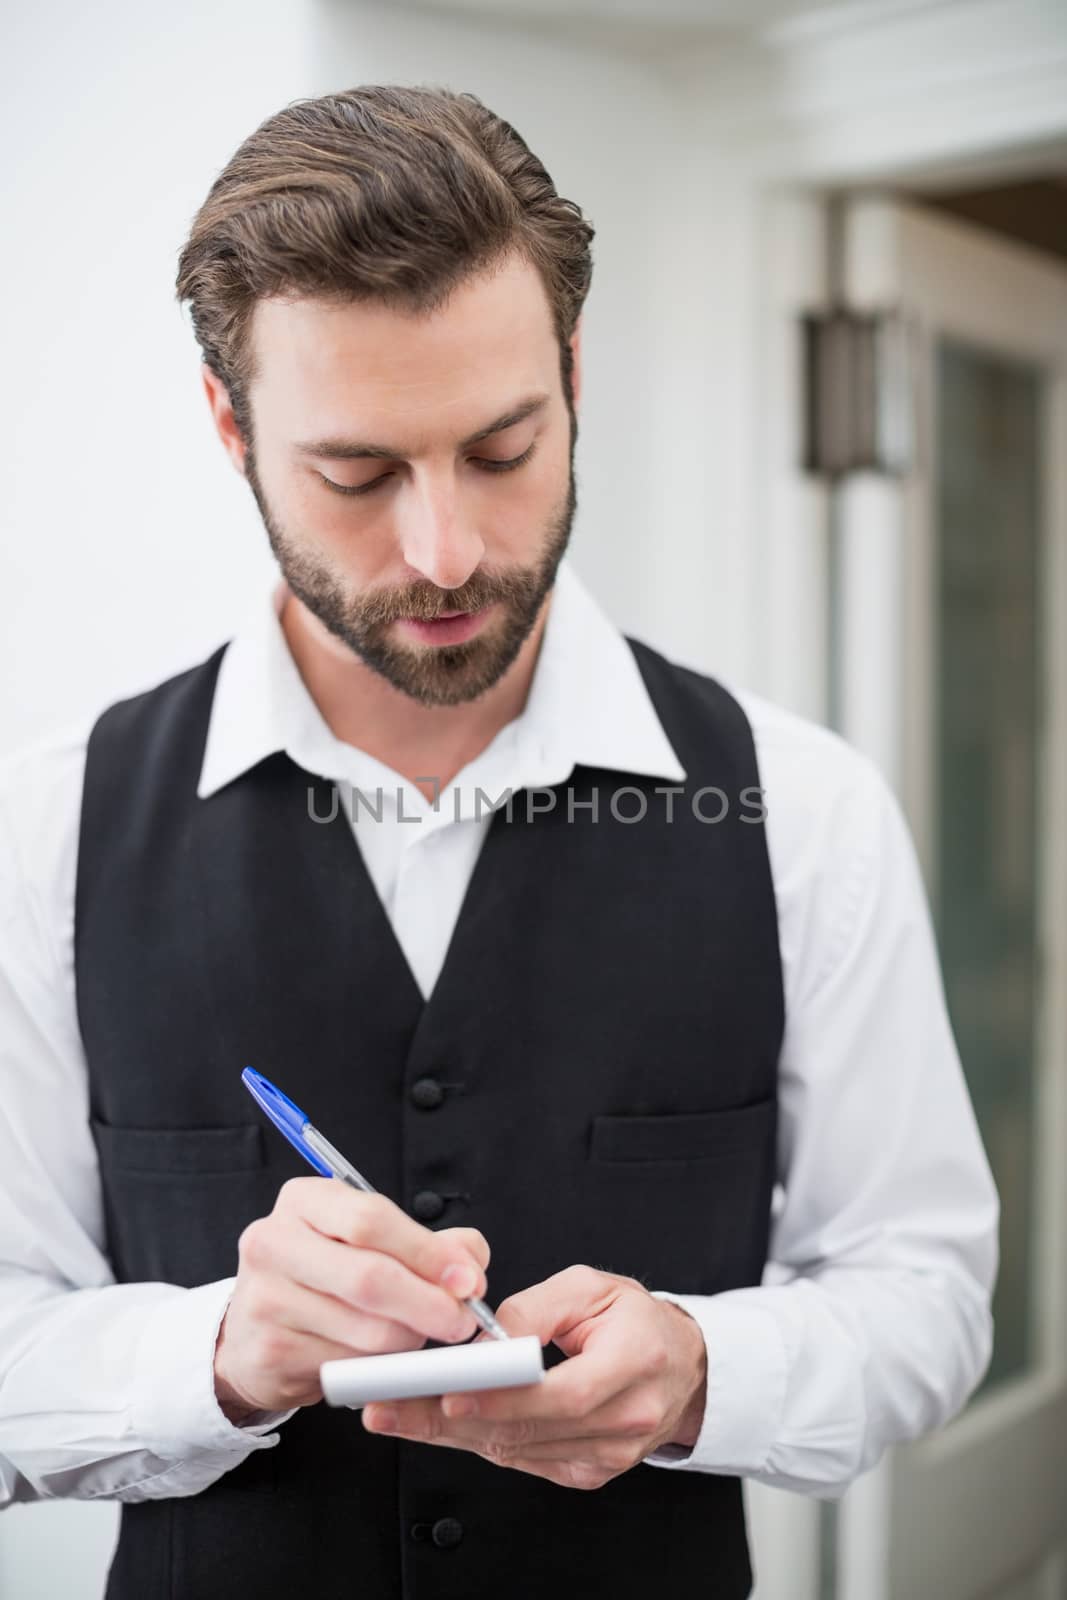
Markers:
<point>175,1410</point>
<point>747,1369</point>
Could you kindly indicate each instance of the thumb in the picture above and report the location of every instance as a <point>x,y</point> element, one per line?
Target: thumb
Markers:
<point>563,1308</point>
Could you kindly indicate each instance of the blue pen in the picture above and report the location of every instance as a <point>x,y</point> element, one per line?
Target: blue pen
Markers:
<point>319,1153</point>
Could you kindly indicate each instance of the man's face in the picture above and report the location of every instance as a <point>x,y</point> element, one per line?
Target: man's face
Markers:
<point>427,551</point>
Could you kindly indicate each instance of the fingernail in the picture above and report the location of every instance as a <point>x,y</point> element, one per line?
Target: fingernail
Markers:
<point>461,1408</point>
<point>460,1280</point>
<point>381,1421</point>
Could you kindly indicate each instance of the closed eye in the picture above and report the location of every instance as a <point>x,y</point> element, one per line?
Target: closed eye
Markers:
<point>487,464</point>
<point>483,463</point>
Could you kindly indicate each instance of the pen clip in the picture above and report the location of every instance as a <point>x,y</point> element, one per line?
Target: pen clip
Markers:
<point>286,1117</point>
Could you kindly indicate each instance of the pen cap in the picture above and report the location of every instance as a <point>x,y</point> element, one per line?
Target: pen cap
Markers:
<point>286,1117</point>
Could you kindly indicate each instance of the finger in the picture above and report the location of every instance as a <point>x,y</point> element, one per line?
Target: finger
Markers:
<point>368,1281</point>
<point>374,1222</point>
<point>289,1354</point>
<point>288,1305</point>
<point>471,1239</point>
<point>630,1413</point>
<point>590,1448</point>
<point>611,1342</point>
<point>565,1461</point>
<point>417,1420</point>
<point>563,1307</point>
<point>579,1389</point>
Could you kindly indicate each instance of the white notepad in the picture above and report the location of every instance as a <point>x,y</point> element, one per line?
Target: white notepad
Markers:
<point>452,1369</point>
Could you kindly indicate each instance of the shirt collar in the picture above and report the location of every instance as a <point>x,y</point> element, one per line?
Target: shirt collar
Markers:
<point>587,702</point>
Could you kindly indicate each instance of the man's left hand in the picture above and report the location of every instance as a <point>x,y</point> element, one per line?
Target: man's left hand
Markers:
<point>635,1381</point>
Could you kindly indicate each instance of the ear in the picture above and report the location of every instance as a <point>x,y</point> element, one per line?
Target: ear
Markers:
<point>576,370</point>
<point>222,415</point>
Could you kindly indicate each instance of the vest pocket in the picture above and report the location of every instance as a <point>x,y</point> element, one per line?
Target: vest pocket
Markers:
<point>682,1135</point>
<point>177,1150</point>
<point>177,1199</point>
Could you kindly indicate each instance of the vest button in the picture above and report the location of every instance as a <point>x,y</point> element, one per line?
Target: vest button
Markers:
<point>446,1532</point>
<point>426,1093</point>
<point>428,1205</point>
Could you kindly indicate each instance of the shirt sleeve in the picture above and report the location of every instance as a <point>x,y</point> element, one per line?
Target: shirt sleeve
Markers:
<point>106,1390</point>
<point>872,1324</point>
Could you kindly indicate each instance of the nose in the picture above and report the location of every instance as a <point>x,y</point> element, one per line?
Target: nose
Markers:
<point>437,540</point>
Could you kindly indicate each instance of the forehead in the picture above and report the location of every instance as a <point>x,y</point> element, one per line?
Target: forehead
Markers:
<point>325,367</point>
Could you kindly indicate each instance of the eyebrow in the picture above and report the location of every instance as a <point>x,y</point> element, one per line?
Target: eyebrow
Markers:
<point>355,449</point>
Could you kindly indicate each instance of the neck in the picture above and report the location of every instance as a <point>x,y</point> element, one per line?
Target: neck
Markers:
<point>361,708</point>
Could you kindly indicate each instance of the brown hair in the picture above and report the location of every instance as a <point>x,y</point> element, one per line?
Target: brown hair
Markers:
<point>383,193</point>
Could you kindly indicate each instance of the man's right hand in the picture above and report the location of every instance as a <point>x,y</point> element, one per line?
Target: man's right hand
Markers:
<point>336,1272</point>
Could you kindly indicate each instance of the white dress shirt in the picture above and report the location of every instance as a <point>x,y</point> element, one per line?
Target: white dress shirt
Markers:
<point>872,1323</point>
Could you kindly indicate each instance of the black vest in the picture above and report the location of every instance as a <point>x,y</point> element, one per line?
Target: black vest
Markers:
<point>604,1035</point>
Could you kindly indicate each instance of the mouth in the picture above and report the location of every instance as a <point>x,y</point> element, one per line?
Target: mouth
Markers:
<point>450,627</point>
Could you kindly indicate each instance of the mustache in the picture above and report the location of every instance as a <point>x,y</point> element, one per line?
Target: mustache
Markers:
<point>426,602</point>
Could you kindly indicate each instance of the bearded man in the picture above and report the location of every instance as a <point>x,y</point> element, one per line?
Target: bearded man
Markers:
<point>580,955</point>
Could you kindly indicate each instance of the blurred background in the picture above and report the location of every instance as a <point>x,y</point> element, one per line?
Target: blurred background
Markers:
<point>823,454</point>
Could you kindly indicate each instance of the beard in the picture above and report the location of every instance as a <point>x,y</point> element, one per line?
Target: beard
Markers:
<point>435,675</point>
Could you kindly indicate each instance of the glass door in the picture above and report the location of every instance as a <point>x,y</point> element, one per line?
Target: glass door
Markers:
<point>988,748</point>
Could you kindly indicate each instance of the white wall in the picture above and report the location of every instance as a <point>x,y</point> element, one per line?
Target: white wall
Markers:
<point>127,543</point>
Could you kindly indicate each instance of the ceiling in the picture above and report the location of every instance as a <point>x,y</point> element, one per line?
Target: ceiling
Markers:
<point>650,22</point>
<point>672,13</point>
